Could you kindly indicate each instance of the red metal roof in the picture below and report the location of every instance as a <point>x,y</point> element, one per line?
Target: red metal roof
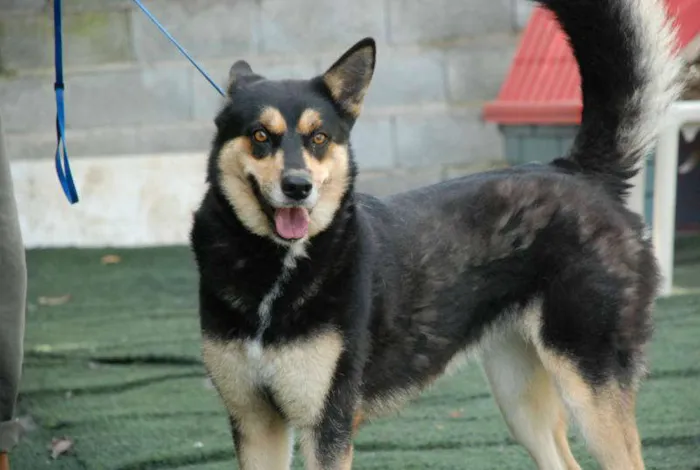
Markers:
<point>543,84</point>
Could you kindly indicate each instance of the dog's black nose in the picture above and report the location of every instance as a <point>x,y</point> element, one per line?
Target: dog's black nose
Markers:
<point>296,186</point>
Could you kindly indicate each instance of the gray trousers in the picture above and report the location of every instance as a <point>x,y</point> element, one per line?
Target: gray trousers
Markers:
<point>13,291</point>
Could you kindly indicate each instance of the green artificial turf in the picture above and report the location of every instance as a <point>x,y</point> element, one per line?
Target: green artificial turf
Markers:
<point>116,368</point>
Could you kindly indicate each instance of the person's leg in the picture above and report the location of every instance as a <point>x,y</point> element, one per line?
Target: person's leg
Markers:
<point>13,290</point>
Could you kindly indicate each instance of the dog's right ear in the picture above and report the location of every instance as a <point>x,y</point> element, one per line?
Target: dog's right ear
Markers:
<point>240,74</point>
<point>348,78</point>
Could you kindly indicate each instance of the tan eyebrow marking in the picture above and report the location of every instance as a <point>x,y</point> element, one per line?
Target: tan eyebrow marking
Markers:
<point>309,121</point>
<point>273,120</point>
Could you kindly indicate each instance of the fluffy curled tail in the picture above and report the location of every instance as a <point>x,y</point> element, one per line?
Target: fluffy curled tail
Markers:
<point>629,76</point>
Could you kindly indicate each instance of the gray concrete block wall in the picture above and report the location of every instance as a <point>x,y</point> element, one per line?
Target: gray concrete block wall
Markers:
<point>129,91</point>
<point>94,37</point>
<point>205,28</point>
<point>475,71</point>
<point>427,21</point>
<point>443,137</point>
<point>310,26</point>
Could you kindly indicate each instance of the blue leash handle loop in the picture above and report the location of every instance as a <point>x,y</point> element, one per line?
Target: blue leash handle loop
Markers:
<point>62,165</point>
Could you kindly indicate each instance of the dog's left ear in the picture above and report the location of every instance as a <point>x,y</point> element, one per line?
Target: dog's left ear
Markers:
<point>240,74</point>
<point>348,78</point>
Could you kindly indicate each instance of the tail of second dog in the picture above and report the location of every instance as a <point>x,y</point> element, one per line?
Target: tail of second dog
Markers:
<point>629,74</point>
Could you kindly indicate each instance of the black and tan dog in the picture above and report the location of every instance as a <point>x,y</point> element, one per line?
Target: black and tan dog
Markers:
<point>321,306</point>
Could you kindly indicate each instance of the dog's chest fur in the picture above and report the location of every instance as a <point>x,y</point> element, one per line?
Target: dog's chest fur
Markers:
<point>293,376</point>
<point>296,375</point>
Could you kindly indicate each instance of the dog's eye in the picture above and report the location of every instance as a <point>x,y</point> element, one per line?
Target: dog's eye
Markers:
<point>260,136</point>
<point>319,138</point>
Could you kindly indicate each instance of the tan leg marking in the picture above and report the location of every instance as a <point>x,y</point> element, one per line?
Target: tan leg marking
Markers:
<point>634,442</point>
<point>562,441</point>
<point>528,400</point>
<point>357,422</point>
<point>265,443</point>
<point>346,462</point>
<point>605,415</point>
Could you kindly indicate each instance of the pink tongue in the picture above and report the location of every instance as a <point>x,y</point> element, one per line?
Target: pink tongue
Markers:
<point>292,222</point>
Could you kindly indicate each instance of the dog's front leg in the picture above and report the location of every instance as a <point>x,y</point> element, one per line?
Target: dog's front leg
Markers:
<point>328,444</point>
<point>262,442</point>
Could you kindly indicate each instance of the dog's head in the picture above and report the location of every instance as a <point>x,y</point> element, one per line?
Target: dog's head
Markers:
<point>281,154</point>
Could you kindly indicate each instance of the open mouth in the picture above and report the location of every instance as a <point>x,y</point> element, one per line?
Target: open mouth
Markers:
<point>291,223</point>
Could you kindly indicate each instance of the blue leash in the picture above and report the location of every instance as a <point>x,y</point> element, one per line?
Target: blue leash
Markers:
<point>180,48</point>
<point>65,176</point>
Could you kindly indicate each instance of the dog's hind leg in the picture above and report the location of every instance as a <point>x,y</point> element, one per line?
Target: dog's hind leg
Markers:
<point>605,414</point>
<point>528,400</point>
<point>562,441</point>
